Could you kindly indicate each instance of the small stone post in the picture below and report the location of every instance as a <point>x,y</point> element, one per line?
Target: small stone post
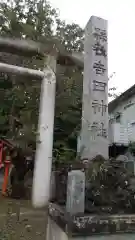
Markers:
<point>75,192</point>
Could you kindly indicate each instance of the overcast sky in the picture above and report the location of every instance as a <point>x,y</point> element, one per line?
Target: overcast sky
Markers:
<point>121,21</point>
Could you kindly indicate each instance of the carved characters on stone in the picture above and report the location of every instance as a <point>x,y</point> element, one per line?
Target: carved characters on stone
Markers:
<point>99,68</point>
<point>95,95</point>
<point>100,34</point>
<point>99,107</point>
<point>98,129</point>
<point>99,86</point>
<point>99,49</point>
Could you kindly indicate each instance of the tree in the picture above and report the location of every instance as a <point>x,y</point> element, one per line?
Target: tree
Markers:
<point>109,187</point>
<point>36,20</point>
<point>70,35</point>
<point>20,99</point>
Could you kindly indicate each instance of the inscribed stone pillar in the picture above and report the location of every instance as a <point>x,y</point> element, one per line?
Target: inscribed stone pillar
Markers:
<point>75,192</point>
<point>94,133</point>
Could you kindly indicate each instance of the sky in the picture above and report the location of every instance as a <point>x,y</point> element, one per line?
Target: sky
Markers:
<point>121,33</point>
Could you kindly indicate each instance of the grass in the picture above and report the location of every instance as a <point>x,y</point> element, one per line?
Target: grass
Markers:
<point>18,220</point>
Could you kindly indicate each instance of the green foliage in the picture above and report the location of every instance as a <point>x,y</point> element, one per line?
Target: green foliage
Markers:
<point>19,98</point>
<point>37,20</point>
<point>131,148</point>
<point>109,185</point>
<point>70,35</point>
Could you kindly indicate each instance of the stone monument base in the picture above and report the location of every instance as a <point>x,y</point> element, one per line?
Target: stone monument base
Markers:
<point>54,232</point>
<point>61,226</point>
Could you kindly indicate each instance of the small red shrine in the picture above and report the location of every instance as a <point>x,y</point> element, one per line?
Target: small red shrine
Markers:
<point>5,161</point>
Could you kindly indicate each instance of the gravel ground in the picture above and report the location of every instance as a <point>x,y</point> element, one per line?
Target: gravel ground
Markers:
<point>18,220</point>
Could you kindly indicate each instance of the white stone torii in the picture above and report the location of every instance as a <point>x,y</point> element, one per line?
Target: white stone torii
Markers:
<point>43,160</point>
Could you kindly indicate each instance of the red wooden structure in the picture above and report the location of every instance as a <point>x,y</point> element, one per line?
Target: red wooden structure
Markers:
<point>5,161</point>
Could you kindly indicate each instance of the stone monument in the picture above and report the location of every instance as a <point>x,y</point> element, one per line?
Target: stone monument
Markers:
<point>94,132</point>
<point>75,192</point>
<point>71,222</point>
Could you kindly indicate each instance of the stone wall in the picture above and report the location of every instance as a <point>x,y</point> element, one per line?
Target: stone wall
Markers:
<point>56,233</point>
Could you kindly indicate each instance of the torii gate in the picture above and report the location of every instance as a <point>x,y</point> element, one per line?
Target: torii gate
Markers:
<point>43,160</point>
